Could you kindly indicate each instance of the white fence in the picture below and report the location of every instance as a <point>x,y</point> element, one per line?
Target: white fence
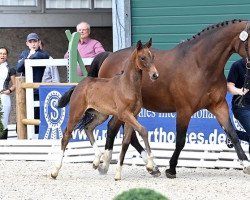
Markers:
<point>30,103</point>
<point>193,155</point>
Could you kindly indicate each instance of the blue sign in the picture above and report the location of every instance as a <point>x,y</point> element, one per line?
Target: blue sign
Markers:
<point>203,127</point>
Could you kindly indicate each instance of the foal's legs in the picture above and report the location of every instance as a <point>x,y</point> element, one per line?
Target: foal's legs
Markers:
<point>182,122</point>
<point>89,128</point>
<point>113,128</point>
<point>131,120</point>
<point>74,117</point>
<point>222,115</point>
<point>128,130</point>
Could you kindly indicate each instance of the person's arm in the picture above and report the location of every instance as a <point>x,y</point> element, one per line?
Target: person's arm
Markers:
<point>234,90</point>
<point>20,63</point>
<point>55,75</point>
<point>98,48</point>
<point>13,83</point>
<point>46,75</point>
<point>40,55</point>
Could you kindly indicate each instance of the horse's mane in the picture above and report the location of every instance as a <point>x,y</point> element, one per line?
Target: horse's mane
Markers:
<point>212,27</point>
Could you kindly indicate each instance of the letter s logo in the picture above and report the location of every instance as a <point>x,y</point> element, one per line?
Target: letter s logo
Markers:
<point>54,113</point>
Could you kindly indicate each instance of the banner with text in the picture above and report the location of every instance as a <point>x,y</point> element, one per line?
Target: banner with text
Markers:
<point>203,127</point>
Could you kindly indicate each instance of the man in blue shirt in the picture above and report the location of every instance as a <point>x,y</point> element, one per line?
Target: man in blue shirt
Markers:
<point>33,52</point>
<point>236,85</point>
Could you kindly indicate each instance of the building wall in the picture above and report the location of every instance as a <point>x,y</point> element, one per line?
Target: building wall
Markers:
<point>169,22</point>
<point>55,43</point>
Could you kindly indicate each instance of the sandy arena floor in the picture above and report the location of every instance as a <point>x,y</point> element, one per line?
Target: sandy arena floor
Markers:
<point>31,180</point>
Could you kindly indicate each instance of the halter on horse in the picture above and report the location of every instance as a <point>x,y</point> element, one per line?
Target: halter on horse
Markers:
<point>119,96</point>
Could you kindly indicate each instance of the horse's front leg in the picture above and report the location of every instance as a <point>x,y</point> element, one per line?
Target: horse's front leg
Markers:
<point>113,128</point>
<point>125,144</point>
<point>182,122</point>
<point>135,143</point>
<point>222,115</point>
<point>98,119</point>
<point>131,120</point>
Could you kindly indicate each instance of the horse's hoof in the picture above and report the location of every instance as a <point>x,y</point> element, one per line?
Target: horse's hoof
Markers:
<point>246,170</point>
<point>102,170</point>
<point>54,173</point>
<point>170,174</point>
<point>94,166</point>
<point>156,172</point>
<point>53,176</point>
<point>246,166</point>
<point>117,177</point>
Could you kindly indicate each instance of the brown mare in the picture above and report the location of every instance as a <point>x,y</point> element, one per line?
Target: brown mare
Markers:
<point>119,96</point>
<point>192,78</point>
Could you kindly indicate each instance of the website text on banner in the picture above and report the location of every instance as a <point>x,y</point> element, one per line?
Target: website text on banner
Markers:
<point>203,128</point>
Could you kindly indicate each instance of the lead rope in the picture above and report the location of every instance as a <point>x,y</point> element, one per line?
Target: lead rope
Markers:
<point>240,99</point>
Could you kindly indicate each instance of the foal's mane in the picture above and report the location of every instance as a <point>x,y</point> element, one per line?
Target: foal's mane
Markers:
<point>213,27</point>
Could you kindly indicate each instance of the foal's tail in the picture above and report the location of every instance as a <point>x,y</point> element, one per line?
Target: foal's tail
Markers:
<point>64,100</point>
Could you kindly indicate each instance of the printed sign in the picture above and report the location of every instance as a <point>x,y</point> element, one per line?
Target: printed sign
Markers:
<point>203,127</point>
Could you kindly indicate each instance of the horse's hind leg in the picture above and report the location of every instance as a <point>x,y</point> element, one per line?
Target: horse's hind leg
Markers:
<point>182,122</point>
<point>99,118</point>
<point>113,128</point>
<point>74,117</point>
<point>125,144</point>
<point>58,163</point>
<point>222,115</point>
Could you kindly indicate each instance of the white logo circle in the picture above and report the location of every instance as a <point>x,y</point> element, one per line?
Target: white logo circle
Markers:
<point>54,116</point>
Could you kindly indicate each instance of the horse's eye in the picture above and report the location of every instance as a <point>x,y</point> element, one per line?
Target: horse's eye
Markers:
<point>143,58</point>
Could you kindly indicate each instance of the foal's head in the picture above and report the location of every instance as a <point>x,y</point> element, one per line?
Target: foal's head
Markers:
<point>145,59</point>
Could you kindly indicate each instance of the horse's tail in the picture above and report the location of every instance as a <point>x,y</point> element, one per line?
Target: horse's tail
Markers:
<point>97,62</point>
<point>64,100</point>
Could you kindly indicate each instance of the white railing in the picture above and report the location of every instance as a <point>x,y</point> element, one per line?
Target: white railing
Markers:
<point>30,103</point>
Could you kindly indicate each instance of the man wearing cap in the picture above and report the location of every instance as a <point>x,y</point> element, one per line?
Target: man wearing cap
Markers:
<point>33,52</point>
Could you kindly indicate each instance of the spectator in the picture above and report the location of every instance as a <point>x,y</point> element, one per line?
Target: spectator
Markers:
<point>51,74</point>
<point>33,52</point>
<point>87,47</point>
<point>7,75</point>
<point>241,98</point>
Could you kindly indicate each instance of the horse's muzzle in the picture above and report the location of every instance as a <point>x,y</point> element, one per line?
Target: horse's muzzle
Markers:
<point>154,76</point>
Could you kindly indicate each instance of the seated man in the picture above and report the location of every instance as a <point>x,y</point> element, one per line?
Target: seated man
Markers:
<point>87,47</point>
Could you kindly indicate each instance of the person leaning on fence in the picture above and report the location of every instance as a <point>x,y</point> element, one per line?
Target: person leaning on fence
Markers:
<point>87,47</point>
<point>51,74</point>
<point>33,52</point>
<point>7,75</point>
<point>239,87</point>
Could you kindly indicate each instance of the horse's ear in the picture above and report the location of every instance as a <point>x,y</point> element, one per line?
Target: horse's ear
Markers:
<point>139,45</point>
<point>149,43</point>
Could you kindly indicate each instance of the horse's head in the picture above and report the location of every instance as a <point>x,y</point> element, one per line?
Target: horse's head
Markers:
<point>145,59</point>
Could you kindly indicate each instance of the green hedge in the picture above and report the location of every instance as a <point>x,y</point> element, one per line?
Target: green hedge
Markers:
<point>140,194</point>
